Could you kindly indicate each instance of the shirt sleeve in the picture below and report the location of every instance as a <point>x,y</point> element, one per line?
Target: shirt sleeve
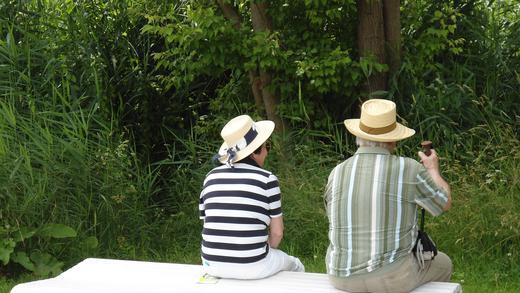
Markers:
<point>202,208</point>
<point>273,194</point>
<point>431,197</point>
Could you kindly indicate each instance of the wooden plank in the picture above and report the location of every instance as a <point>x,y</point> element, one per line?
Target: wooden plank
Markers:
<point>111,276</point>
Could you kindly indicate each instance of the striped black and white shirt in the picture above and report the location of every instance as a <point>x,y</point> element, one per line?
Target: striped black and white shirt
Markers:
<point>237,205</point>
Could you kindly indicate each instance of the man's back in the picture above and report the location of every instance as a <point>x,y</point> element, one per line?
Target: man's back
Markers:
<point>371,203</point>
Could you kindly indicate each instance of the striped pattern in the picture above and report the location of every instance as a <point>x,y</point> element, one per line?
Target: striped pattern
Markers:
<point>237,205</point>
<point>372,201</point>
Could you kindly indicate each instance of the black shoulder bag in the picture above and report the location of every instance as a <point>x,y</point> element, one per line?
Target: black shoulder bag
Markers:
<point>424,248</point>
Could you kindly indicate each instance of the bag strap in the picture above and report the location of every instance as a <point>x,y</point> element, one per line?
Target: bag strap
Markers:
<point>422,219</point>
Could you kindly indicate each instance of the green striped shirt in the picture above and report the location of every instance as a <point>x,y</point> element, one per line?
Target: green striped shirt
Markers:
<point>372,201</point>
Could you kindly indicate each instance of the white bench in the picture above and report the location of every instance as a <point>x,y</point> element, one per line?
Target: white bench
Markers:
<point>111,276</point>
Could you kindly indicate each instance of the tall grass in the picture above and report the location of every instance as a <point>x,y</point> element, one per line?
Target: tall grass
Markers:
<point>57,168</point>
<point>64,158</point>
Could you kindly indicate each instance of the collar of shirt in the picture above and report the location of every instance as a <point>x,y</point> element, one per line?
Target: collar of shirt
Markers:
<point>372,150</point>
<point>250,161</point>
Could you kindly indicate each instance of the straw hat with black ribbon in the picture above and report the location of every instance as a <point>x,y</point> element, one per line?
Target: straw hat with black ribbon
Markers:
<point>242,136</point>
<point>378,122</point>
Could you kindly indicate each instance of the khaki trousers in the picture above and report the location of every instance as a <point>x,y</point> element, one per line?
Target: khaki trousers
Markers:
<point>401,276</point>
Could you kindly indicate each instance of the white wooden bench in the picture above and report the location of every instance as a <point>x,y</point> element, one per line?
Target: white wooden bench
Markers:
<point>111,276</point>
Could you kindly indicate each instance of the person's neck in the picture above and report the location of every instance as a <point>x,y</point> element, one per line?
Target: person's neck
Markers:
<point>250,161</point>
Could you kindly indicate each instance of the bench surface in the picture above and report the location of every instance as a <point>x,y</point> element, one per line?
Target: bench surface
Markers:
<point>111,276</point>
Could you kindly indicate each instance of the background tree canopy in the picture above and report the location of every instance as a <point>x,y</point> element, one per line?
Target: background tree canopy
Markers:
<point>110,113</point>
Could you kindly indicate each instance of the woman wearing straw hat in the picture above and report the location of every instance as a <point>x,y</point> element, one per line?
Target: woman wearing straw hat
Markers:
<point>372,200</point>
<point>241,208</point>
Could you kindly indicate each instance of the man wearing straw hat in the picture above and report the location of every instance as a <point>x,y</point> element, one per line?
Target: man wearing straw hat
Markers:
<point>372,201</point>
<point>241,208</point>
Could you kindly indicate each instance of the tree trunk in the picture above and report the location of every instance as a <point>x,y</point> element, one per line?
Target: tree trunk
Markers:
<point>392,16</point>
<point>259,18</point>
<point>371,40</point>
<point>271,102</point>
<point>261,23</point>
<point>231,13</point>
<point>256,84</point>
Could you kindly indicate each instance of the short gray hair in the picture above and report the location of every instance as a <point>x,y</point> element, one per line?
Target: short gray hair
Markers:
<point>361,142</point>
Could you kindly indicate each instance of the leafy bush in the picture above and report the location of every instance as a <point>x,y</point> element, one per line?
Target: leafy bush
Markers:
<point>15,240</point>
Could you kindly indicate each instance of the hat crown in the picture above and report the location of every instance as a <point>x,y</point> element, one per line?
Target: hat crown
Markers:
<point>378,113</point>
<point>236,129</point>
<point>378,122</point>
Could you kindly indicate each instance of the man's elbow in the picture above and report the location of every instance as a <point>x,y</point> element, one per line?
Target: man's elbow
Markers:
<point>448,195</point>
<point>448,205</point>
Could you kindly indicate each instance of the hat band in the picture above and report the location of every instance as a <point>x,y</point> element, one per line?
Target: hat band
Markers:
<point>244,141</point>
<point>250,135</point>
<point>377,130</point>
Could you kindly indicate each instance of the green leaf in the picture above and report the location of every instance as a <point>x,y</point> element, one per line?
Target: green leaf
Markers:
<point>6,248</point>
<point>23,233</point>
<point>45,264</point>
<point>24,260</point>
<point>378,93</point>
<point>57,231</point>
<point>90,242</point>
<point>363,63</point>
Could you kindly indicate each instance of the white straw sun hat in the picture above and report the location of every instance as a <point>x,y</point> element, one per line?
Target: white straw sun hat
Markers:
<point>242,136</point>
<point>378,122</point>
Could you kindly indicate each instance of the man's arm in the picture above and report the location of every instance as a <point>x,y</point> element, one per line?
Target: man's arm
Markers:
<point>431,163</point>
<point>275,232</point>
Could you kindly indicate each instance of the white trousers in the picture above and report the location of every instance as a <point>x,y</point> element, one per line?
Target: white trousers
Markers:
<point>275,261</point>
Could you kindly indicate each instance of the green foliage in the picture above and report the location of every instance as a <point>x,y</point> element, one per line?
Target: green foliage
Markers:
<point>321,70</point>
<point>431,33</point>
<point>493,60</point>
<point>458,88</point>
<point>196,42</point>
<point>16,243</point>
<point>429,41</point>
<point>63,158</point>
<point>53,170</point>
<point>319,38</point>
<point>200,44</point>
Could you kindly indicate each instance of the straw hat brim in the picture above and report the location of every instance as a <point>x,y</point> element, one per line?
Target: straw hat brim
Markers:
<point>399,133</point>
<point>264,128</point>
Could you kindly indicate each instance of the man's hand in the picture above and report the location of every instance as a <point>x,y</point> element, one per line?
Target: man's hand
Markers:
<point>431,161</point>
